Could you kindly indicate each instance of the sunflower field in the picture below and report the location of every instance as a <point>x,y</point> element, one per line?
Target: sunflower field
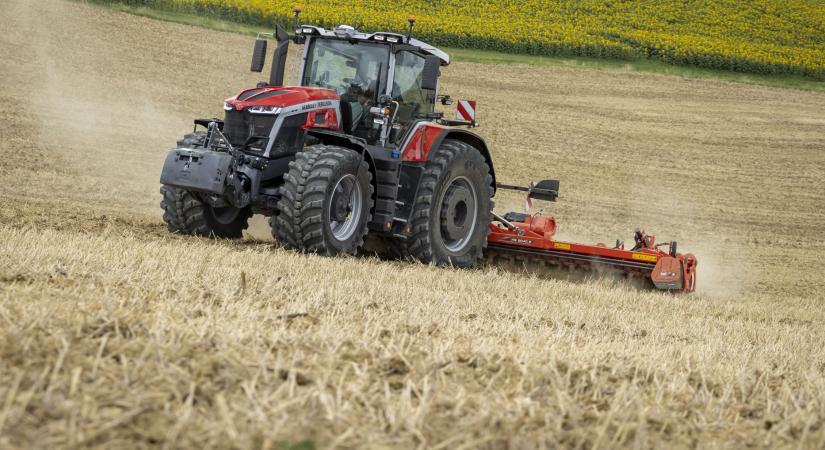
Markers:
<point>753,36</point>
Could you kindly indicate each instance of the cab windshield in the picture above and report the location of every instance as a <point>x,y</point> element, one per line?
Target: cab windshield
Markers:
<point>356,71</point>
<point>346,67</point>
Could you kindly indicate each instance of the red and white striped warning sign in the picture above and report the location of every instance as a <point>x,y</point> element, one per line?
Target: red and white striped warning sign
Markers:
<point>466,110</point>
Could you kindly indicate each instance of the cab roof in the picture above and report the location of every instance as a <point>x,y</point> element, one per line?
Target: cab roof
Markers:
<point>348,32</point>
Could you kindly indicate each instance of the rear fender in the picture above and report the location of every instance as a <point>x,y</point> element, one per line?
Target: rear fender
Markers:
<point>428,136</point>
<point>473,140</point>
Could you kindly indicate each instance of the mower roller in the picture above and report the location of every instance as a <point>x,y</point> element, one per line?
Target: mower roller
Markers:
<point>526,237</point>
<point>355,154</point>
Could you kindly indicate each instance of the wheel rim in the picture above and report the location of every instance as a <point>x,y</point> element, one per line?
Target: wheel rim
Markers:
<point>458,214</point>
<point>225,215</point>
<point>345,207</point>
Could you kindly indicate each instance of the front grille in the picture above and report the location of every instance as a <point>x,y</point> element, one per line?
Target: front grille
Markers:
<point>290,138</point>
<point>239,126</point>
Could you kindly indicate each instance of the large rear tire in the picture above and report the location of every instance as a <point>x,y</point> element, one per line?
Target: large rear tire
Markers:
<point>184,213</point>
<point>453,208</point>
<point>326,202</point>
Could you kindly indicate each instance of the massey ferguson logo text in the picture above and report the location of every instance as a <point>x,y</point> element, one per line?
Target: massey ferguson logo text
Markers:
<point>316,105</point>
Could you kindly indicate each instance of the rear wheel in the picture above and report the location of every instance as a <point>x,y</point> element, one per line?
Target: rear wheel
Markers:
<point>325,202</point>
<point>185,213</point>
<point>453,208</point>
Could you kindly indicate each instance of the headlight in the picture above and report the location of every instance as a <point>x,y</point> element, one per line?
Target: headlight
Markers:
<point>227,106</point>
<point>264,110</point>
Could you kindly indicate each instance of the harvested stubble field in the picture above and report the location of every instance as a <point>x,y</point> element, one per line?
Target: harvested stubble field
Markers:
<point>115,334</point>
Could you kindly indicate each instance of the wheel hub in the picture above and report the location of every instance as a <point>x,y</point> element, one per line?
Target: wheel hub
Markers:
<point>342,206</point>
<point>455,212</point>
<point>345,208</point>
<point>458,214</point>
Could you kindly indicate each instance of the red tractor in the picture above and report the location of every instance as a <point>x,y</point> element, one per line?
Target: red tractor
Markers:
<point>355,149</point>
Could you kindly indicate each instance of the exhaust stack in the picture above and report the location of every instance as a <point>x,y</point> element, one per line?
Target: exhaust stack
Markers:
<point>276,75</point>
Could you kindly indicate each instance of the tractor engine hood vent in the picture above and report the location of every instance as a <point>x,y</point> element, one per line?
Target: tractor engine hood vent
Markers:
<point>279,96</point>
<point>256,95</point>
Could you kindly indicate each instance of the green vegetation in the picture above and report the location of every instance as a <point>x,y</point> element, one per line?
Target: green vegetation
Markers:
<point>759,36</point>
<point>491,57</point>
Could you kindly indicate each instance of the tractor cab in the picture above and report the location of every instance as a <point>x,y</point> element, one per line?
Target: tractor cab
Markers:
<point>371,74</point>
<point>356,72</point>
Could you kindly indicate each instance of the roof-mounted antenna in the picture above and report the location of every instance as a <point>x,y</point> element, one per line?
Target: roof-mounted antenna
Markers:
<point>411,19</point>
<point>297,10</point>
<point>298,39</point>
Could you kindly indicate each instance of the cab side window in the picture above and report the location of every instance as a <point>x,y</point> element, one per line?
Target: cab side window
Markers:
<point>406,88</point>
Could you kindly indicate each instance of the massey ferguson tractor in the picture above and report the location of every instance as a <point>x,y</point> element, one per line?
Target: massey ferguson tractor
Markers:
<point>356,148</point>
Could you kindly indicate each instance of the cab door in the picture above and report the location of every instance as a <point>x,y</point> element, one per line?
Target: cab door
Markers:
<point>414,102</point>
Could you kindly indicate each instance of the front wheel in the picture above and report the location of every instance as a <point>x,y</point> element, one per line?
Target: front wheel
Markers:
<point>195,139</point>
<point>453,208</point>
<point>326,202</point>
<point>185,213</point>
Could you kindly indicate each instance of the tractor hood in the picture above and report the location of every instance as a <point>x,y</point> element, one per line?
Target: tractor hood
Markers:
<point>279,96</point>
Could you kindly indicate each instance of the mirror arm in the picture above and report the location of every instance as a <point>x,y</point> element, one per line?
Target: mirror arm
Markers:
<point>445,100</point>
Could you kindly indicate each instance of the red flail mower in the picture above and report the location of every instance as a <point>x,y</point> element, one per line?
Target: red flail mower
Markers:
<point>531,237</point>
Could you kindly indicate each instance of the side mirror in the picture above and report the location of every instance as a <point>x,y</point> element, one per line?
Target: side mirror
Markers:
<point>546,190</point>
<point>429,77</point>
<point>258,55</point>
